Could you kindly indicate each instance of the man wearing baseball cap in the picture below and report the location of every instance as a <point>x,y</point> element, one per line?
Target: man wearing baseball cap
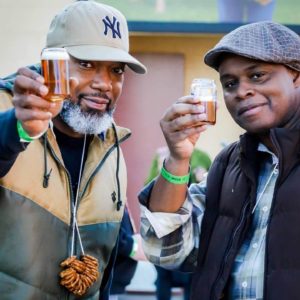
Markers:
<point>239,231</point>
<point>62,172</point>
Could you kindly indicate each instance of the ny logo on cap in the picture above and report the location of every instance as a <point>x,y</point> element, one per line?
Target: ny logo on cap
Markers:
<point>113,25</point>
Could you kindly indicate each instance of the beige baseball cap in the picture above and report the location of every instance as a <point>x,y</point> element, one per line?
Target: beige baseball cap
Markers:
<point>93,31</point>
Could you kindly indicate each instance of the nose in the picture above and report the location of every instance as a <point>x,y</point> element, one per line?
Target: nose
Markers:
<point>244,90</point>
<point>102,80</point>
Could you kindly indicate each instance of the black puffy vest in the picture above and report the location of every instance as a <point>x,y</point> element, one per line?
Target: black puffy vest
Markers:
<point>231,195</point>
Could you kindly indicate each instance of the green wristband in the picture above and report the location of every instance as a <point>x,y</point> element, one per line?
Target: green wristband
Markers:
<point>173,178</point>
<point>24,137</point>
<point>134,249</point>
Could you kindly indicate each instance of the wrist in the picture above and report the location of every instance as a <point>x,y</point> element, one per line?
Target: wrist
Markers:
<point>174,178</point>
<point>134,249</point>
<point>24,136</point>
<point>177,166</point>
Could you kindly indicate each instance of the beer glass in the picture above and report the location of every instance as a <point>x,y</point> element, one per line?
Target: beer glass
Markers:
<point>205,90</point>
<point>55,69</point>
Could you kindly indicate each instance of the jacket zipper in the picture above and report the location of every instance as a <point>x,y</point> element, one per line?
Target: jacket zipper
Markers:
<point>229,247</point>
<point>71,196</point>
<point>267,239</point>
<point>92,175</point>
<point>273,139</point>
<point>101,164</point>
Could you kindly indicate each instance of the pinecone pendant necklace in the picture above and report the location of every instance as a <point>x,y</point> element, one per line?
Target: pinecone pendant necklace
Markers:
<point>81,273</point>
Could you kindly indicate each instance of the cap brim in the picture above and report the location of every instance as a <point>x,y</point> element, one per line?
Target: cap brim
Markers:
<point>103,53</point>
<point>213,58</point>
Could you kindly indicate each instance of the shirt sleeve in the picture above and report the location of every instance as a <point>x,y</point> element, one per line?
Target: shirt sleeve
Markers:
<point>10,145</point>
<point>171,240</point>
<point>126,240</point>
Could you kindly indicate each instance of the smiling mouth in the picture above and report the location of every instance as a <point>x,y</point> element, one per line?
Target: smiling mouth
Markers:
<point>94,102</point>
<point>250,109</point>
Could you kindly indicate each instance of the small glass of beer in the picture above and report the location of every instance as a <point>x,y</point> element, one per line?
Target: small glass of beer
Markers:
<point>55,69</point>
<point>205,90</point>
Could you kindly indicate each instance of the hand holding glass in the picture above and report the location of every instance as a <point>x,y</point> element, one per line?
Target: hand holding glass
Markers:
<point>205,90</point>
<point>55,69</point>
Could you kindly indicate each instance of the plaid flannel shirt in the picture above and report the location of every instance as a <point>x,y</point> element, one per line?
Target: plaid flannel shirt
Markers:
<point>172,240</point>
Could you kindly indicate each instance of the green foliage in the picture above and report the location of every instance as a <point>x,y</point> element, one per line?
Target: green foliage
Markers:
<point>175,10</point>
<point>286,11</point>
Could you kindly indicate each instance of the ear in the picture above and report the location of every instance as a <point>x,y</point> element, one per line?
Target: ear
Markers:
<point>296,78</point>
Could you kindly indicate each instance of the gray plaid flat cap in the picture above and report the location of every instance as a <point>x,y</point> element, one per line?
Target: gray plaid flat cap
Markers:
<point>266,41</point>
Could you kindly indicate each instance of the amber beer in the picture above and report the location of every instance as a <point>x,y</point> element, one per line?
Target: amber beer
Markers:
<point>205,90</point>
<point>55,69</point>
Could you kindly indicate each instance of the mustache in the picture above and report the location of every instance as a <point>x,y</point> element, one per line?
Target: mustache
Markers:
<point>99,95</point>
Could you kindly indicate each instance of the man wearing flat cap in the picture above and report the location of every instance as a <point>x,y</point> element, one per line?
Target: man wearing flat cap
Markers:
<point>62,173</point>
<point>239,231</point>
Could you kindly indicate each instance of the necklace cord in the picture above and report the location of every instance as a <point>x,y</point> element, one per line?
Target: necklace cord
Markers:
<point>74,211</point>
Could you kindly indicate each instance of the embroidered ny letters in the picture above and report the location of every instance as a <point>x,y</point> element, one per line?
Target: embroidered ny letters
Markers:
<point>113,25</point>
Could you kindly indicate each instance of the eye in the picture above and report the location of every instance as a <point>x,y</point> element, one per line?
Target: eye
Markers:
<point>119,69</point>
<point>229,84</point>
<point>85,64</point>
<point>257,75</point>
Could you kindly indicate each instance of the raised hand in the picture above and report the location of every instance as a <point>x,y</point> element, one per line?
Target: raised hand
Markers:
<point>182,125</point>
<point>32,110</point>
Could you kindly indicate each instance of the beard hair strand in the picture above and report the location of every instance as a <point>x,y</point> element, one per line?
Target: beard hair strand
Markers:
<point>85,122</point>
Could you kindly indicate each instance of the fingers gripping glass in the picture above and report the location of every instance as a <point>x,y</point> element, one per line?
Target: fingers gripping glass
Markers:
<point>205,90</point>
<point>55,69</point>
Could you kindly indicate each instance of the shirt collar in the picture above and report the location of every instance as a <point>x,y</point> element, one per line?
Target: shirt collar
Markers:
<point>262,148</point>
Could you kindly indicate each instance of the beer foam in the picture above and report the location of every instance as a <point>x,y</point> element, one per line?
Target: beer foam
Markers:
<point>55,54</point>
<point>205,99</point>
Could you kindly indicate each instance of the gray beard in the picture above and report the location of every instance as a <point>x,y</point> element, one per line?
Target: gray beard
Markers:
<point>85,122</point>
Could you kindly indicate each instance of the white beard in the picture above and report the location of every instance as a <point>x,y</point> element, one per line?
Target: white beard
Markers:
<point>85,122</point>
